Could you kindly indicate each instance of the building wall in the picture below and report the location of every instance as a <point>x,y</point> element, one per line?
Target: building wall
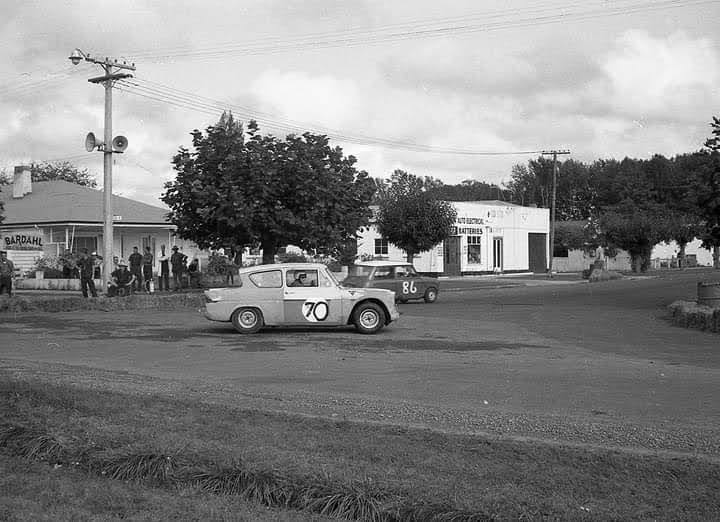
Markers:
<point>482,220</point>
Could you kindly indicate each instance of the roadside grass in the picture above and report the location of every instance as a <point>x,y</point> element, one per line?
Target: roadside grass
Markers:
<point>39,492</point>
<point>352,470</point>
<point>72,303</point>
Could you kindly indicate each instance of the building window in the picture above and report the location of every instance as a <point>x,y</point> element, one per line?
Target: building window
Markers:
<point>473,250</point>
<point>381,247</point>
<point>84,242</point>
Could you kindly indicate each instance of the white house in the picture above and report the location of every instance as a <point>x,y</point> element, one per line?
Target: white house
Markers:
<point>488,237</point>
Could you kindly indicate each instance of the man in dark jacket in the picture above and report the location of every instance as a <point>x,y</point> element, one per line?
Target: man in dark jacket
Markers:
<point>7,272</point>
<point>177,263</point>
<point>147,268</point>
<point>121,281</point>
<point>86,264</point>
<point>136,260</point>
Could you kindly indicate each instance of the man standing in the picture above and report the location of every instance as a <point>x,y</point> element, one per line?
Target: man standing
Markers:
<point>136,260</point>
<point>177,262</point>
<point>164,278</point>
<point>147,272</point>
<point>86,264</point>
<point>7,272</point>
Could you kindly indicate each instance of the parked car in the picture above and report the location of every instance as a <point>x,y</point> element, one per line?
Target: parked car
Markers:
<point>399,277</point>
<point>298,294</point>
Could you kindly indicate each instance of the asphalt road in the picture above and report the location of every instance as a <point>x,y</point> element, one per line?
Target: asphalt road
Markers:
<point>557,360</point>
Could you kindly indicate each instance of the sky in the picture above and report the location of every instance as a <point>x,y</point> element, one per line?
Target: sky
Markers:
<point>456,90</point>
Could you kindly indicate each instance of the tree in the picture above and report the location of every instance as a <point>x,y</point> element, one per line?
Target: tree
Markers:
<point>708,199</point>
<point>410,215</point>
<point>260,190</point>
<point>55,170</point>
<point>636,230</point>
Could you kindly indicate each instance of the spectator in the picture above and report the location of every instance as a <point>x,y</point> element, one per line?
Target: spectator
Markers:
<point>147,268</point>
<point>230,268</point>
<point>164,277</point>
<point>86,264</point>
<point>194,273</point>
<point>121,281</point>
<point>177,264</point>
<point>7,273</point>
<point>136,260</point>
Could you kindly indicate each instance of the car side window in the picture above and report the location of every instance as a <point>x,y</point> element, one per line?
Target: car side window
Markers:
<point>269,279</point>
<point>383,272</point>
<point>402,271</point>
<point>296,278</point>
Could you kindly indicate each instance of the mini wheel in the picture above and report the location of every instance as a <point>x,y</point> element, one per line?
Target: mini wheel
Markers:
<point>247,320</point>
<point>430,295</point>
<point>368,318</point>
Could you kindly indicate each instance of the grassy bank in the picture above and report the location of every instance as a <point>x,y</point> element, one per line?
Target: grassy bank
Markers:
<point>72,303</point>
<point>360,471</point>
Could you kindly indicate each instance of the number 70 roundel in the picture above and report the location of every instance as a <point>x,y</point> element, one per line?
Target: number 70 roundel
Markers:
<point>315,310</point>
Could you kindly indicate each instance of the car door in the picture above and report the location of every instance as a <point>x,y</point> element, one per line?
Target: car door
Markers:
<point>384,277</point>
<point>311,298</point>
<point>410,284</point>
<point>264,292</point>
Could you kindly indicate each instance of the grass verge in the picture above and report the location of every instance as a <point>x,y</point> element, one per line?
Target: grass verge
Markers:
<point>73,303</point>
<point>340,469</point>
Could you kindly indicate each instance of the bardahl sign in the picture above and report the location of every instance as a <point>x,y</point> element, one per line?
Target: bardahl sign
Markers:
<point>22,242</point>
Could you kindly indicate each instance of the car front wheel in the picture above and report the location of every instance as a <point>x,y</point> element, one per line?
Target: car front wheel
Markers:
<point>368,318</point>
<point>247,320</point>
<point>430,295</point>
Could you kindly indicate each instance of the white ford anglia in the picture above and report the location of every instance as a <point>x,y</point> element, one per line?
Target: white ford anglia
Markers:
<point>298,294</point>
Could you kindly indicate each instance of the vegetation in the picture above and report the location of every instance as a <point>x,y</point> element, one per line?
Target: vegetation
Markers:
<point>236,192</point>
<point>342,469</point>
<point>411,216</point>
<point>636,203</point>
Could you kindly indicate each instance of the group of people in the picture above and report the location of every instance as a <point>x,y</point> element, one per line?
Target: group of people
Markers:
<point>135,276</point>
<point>138,274</point>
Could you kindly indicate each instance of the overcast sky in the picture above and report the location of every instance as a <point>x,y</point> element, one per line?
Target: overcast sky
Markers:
<point>401,84</point>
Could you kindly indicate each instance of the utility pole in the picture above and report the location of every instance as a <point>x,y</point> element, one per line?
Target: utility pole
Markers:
<point>552,204</point>
<point>111,67</point>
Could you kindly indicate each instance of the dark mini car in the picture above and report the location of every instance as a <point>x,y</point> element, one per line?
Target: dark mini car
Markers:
<point>396,276</point>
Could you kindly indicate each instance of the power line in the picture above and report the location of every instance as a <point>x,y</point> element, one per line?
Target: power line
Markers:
<point>181,99</point>
<point>426,29</point>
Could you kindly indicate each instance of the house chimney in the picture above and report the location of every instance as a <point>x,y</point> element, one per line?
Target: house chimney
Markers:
<point>22,183</point>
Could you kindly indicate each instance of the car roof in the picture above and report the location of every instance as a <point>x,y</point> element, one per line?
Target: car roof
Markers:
<point>383,263</point>
<point>280,266</point>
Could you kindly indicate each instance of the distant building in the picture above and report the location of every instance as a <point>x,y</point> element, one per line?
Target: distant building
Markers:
<point>488,237</point>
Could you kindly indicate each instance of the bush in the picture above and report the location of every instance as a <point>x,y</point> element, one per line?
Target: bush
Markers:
<point>291,257</point>
<point>218,265</point>
<point>57,267</point>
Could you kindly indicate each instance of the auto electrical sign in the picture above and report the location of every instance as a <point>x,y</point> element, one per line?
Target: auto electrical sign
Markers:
<point>21,241</point>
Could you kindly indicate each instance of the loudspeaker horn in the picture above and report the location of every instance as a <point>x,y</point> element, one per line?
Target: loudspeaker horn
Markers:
<point>91,142</point>
<point>119,143</point>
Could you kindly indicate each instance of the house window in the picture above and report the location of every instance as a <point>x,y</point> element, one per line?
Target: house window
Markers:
<point>381,247</point>
<point>84,242</point>
<point>473,250</point>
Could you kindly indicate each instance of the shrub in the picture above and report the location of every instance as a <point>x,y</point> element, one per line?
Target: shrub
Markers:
<point>217,264</point>
<point>291,257</point>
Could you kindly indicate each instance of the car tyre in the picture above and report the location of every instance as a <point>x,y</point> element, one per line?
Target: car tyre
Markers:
<point>430,295</point>
<point>368,318</point>
<point>247,320</point>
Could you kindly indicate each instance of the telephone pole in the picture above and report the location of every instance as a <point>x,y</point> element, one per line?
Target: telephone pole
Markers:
<point>552,204</point>
<point>111,67</point>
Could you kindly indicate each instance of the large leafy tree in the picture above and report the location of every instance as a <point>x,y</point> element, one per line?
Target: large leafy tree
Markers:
<point>243,188</point>
<point>708,198</point>
<point>411,216</point>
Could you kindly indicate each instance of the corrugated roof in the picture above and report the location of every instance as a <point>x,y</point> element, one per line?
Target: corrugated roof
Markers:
<point>65,202</point>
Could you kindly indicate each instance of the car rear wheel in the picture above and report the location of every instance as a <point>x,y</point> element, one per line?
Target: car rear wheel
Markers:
<point>247,320</point>
<point>368,318</point>
<point>430,295</point>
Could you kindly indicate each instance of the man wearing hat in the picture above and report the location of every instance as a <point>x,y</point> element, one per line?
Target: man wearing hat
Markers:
<point>177,263</point>
<point>121,280</point>
<point>7,272</point>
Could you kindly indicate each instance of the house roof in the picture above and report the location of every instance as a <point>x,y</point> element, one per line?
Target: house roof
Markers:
<point>56,202</point>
